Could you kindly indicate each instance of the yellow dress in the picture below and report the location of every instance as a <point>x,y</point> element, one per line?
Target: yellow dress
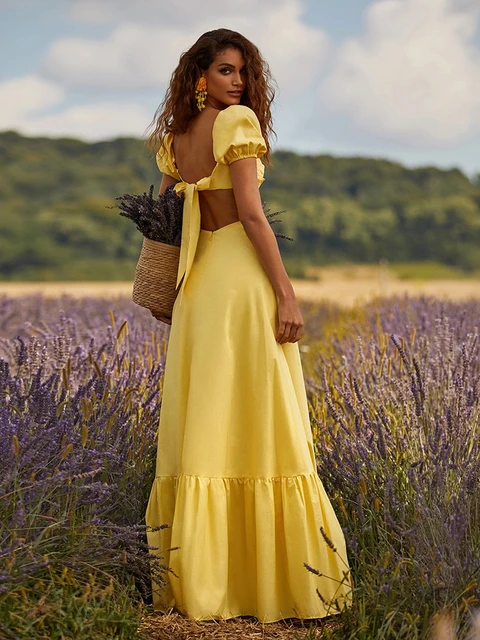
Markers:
<point>236,474</point>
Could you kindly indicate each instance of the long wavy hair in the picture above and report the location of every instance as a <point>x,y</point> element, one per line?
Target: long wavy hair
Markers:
<point>179,105</point>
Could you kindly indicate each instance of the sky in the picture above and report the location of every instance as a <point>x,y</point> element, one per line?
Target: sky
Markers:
<point>395,79</point>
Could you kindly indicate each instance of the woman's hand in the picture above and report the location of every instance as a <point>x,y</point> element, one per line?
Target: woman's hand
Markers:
<point>290,321</point>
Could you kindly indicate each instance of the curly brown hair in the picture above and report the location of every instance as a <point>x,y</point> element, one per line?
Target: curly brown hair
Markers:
<point>179,106</point>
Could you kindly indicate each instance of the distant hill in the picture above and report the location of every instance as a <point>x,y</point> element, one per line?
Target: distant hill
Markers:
<point>54,223</point>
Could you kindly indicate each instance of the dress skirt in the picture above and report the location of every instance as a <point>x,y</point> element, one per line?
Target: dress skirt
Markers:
<point>236,476</point>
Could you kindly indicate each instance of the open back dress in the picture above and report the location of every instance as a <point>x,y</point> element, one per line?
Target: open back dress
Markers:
<point>236,477</point>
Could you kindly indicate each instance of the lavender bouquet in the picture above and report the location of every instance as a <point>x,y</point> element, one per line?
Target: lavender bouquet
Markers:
<point>160,219</point>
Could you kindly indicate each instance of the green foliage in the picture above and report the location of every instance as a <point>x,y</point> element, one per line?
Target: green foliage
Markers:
<point>61,605</point>
<point>55,222</point>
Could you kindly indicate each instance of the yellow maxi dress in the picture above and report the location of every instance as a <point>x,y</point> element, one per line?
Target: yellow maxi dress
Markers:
<point>236,476</point>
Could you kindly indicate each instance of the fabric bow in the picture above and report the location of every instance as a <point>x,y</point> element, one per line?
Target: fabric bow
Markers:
<point>190,226</point>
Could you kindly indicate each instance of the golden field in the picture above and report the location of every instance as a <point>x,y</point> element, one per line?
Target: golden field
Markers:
<point>344,285</point>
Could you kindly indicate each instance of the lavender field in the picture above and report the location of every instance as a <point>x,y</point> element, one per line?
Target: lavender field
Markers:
<point>394,397</point>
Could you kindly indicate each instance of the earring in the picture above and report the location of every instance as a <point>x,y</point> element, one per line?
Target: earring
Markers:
<point>201,92</point>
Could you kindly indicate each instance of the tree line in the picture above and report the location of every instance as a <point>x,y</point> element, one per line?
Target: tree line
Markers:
<point>55,222</point>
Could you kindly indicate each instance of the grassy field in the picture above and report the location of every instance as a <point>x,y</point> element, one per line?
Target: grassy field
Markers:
<point>344,285</point>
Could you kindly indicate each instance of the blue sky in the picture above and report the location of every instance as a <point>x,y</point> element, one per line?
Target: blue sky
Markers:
<point>397,79</point>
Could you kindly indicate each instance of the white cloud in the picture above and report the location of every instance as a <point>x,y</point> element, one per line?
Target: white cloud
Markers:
<point>92,122</point>
<point>414,75</point>
<point>133,57</point>
<point>22,101</point>
<point>189,13</point>
<point>21,97</point>
<point>142,56</point>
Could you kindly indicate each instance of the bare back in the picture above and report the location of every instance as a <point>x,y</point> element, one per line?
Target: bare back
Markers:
<point>194,159</point>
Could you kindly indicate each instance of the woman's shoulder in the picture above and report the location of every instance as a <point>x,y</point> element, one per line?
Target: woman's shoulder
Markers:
<point>237,134</point>
<point>236,115</point>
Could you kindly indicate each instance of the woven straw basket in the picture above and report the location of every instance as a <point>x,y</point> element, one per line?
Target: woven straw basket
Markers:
<point>155,278</point>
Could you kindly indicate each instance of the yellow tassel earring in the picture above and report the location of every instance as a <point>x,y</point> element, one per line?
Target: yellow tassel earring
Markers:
<point>201,92</point>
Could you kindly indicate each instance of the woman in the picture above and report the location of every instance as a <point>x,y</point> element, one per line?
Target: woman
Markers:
<point>236,474</point>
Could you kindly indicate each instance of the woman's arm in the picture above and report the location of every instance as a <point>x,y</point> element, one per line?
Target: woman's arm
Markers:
<point>166,182</point>
<point>243,175</point>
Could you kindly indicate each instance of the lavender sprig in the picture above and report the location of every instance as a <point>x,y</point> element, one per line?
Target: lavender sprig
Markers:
<point>269,217</point>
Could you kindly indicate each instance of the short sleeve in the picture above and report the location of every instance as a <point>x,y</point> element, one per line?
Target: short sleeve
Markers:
<point>164,158</point>
<point>237,135</point>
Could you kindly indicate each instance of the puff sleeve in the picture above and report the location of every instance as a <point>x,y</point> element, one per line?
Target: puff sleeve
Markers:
<point>237,135</point>
<point>164,158</point>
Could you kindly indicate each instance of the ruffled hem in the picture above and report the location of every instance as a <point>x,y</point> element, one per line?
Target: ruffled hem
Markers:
<point>227,615</point>
<point>250,150</point>
<point>242,544</point>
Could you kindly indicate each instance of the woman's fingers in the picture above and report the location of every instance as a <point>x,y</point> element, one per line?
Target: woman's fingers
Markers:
<point>289,332</point>
<point>296,334</point>
<point>283,331</point>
